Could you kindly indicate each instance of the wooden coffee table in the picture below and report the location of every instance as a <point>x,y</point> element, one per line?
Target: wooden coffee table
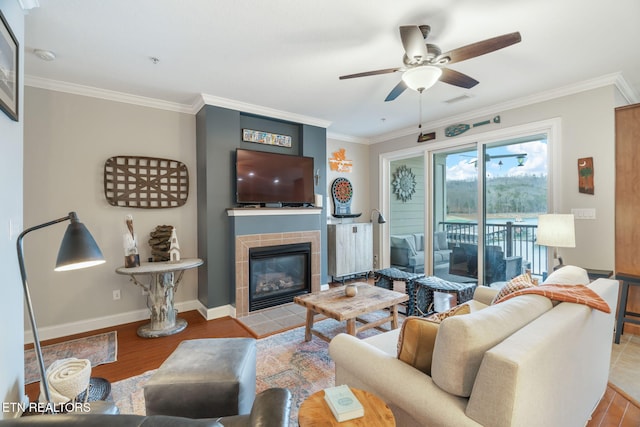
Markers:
<point>314,412</point>
<point>336,305</point>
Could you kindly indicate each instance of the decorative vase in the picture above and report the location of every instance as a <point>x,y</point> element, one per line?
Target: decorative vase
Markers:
<point>351,290</point>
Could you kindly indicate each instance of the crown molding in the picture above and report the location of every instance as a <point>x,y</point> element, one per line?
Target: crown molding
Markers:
<point>348,138</point>
<point>261,111</point>
<point>615,79</point>
<point>109,95</point>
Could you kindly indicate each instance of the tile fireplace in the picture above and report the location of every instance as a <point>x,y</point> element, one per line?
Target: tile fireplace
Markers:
<point>278,273</point>
<point>272,274</point>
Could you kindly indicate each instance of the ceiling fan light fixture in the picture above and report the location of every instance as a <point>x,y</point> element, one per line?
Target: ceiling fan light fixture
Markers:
<point>421,78</point>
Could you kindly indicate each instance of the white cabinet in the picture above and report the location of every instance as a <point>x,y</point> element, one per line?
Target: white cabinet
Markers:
<point>350,248</point>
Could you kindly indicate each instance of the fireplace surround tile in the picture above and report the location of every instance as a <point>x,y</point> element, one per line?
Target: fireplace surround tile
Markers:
<point>245,242</point>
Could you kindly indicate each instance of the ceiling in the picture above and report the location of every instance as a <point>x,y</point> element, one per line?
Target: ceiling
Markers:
<point>286,55</point>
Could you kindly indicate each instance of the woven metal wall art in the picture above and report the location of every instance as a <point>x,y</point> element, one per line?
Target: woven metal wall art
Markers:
<point>145,182</point>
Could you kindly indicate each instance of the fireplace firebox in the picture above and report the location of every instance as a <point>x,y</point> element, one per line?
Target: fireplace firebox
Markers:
<point>278,273</point>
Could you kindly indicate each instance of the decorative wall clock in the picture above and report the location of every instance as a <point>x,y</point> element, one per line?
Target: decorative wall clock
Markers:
<point>404,183</point>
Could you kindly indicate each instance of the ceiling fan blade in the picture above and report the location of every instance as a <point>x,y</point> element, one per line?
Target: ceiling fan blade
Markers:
<point>456,78</point>
<point>413,42</point>
<point>396,91</point>
<point>369,73</point>
<point>480,48</point>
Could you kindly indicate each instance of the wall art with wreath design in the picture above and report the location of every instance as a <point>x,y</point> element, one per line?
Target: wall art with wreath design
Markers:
<point>404,183</point>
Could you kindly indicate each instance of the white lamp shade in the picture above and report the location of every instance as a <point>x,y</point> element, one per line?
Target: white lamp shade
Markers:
<point>556,230</point>
<point>421,78</point>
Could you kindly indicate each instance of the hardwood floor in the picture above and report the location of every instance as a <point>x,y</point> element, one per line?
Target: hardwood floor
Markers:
<point>137,355</point>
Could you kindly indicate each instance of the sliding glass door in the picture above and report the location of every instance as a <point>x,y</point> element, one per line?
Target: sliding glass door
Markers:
<point>455,214</point>
<point>486,200</point>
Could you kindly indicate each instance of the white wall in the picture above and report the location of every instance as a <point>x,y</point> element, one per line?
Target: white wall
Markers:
<point>587,130</point>
<point>67,140</point>
<point>11,305</point>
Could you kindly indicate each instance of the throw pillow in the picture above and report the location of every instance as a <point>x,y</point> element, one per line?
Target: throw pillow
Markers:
<point>454,311</point>
<point>417,339</point>
<point>568,275</point>
<point>519,282</point>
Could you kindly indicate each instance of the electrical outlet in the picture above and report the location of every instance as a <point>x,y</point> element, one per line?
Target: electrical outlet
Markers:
<point>116,294</point>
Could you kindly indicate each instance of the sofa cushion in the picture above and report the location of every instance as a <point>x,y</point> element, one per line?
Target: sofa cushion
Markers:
<point>568,275</point>
<point>406,241</point>
<point>462,341</point>
<point>418,336</point>
<point>417,260</point>
<point>519,282</point>
<point>440,241</point>
<point>419,239</point>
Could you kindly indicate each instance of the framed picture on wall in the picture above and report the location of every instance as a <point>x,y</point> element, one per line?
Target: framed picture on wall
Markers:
<point>8,70</point>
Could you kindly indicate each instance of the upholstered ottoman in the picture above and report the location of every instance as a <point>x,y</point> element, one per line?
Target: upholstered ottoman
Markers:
<point>205,378</point>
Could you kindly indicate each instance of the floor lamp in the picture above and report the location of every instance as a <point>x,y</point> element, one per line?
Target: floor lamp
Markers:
<point>77,250</point>
<point>556,231</point>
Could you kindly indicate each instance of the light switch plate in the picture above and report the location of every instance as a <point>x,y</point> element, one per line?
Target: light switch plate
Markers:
<point>584,213</point>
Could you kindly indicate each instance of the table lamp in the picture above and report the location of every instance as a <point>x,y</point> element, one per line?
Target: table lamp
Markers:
<point>77,250</point>
<point>557,231</point>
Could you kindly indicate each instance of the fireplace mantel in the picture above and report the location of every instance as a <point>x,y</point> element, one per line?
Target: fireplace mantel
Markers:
<point>272,211</point>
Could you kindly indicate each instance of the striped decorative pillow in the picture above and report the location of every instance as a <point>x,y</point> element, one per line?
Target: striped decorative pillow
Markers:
<point>522,281</point>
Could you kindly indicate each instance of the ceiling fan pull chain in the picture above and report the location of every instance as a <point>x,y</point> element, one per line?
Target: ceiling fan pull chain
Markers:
<point>420,109</point>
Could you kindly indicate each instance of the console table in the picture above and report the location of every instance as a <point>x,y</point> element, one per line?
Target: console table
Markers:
<point>161,289</point>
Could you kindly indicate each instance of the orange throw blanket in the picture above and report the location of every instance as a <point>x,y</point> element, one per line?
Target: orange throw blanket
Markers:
<point>578,294</point>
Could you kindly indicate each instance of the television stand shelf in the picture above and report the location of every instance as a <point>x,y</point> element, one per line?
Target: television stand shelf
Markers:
<point>272,211</point>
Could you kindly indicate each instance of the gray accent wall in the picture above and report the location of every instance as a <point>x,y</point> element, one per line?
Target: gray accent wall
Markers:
<point>218,135</point>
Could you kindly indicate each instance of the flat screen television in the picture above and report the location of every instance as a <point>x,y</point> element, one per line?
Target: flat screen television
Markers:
<point>273,178</point>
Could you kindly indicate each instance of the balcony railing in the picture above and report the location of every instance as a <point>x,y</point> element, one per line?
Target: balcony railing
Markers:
<point>515,239</point>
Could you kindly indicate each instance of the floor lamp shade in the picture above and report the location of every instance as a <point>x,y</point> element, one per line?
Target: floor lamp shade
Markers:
<point>78,248</point>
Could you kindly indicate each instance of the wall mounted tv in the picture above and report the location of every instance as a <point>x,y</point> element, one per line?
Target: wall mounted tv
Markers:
<point>272,178</point>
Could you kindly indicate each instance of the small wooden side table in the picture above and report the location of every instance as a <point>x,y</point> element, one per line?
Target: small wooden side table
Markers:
<point>598,274</point>
<point>314,412</point>
<point>623,314</point>
<point>161,289</point>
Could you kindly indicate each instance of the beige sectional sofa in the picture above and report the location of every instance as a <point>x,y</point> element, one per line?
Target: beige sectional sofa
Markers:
<point>523,362</point>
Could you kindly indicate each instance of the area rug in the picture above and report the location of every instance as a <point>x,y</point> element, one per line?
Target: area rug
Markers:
<point>283,360</point>
<point>99,349</point>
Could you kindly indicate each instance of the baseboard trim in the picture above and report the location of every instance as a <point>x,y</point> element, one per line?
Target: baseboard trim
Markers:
<point>66,329</point>
<point>216,312</point>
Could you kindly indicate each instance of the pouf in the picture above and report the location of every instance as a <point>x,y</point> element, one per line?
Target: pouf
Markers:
<point>385,277</point>
<point>426,286</point>
<point>205,378</point>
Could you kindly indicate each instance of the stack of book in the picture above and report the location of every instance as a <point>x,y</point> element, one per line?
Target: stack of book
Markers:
<point>343,403</point>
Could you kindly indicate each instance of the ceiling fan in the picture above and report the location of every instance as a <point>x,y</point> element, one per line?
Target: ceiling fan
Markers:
<point>424,63</point>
